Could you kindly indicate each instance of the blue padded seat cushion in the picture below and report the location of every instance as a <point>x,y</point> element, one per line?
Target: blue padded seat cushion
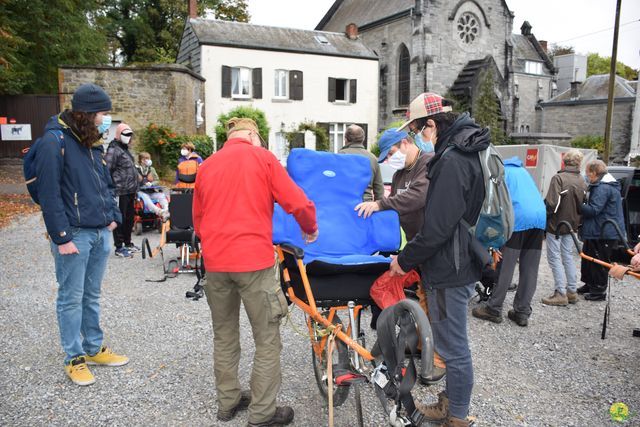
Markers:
<point>336,183</point>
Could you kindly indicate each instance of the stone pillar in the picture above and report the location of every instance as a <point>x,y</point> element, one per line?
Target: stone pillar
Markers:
<point>634,149</point>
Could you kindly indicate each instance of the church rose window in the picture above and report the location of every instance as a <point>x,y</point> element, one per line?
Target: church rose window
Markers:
<point>468,28</point>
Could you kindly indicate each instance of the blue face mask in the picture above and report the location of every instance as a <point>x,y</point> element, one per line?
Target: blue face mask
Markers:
<point>106,123</point>
<point>425,146</point>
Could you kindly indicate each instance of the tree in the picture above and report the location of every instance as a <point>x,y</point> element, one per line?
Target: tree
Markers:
<point>486,109</point>
<point>37,36</point>
<point>557,50</point>
<point>597,64</point>
<point>147,31</point>
<point>247,112</point>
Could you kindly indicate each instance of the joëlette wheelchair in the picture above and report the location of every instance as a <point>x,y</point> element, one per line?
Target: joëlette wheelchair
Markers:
<point>145,219</point>
<point>335,273</point>
<point>179,230</point>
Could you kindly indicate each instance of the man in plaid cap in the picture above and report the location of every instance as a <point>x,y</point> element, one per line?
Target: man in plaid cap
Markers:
<point>442,248</point>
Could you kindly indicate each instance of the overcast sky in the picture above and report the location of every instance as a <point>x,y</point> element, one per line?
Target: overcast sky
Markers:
<point>587,25</point>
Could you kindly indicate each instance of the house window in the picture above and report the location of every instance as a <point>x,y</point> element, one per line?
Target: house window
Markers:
<point>240,82</point>
<point>468,28</point>
<point>404,76</point>
<point>343,90</point>
<point>281,149</point>
<point>336,136</point>
<point>281,84</point>
<point>533,67</point>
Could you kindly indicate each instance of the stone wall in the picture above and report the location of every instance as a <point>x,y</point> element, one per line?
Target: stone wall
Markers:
<point>165,95</point>
<point>588,118</point>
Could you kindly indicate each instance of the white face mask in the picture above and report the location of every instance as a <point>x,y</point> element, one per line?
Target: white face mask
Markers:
<point>125,139</point>
<point>184,152</point>
<point>397,160</point>
<point>148,162</point>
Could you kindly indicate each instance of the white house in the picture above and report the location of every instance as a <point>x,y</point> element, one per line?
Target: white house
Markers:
<point>293,75</point>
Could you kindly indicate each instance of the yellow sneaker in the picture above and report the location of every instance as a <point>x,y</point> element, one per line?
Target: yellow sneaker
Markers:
<point>107,357</point>
<point>78,371</point>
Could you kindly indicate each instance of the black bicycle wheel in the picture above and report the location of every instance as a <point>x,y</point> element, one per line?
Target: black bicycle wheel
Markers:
<point>340,358</point>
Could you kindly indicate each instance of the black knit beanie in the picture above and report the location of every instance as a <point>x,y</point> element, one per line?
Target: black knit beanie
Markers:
<point>90,98</point>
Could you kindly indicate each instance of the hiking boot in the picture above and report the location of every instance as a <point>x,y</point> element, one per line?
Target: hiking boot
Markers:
<point>78,371</point>
<point>572,297</point>
<point>437,376</point>
<point>282,417</point>
<point>456,422</point>
<point>519,318</point>
<point>584,289</point>
<point>557,299</point>
<point>595,296</point>
<point>106,357</point>
<point>437,411</point>
<point>229,414</point>
<point>485,313</point>
<point>132,248</point>
<point>123,253</point>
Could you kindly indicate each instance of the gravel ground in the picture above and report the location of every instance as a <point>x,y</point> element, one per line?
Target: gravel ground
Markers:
<point>556,372</point>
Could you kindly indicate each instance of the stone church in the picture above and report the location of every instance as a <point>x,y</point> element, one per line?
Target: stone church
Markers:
<point>447,47</point>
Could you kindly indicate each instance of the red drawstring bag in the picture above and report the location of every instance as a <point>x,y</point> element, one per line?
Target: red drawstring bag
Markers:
<point>388,290</point>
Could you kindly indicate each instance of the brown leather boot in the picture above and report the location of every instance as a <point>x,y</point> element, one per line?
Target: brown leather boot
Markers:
<point>572,297</point>
<point>556,299</point>
<point>435,412</point>
<point>456,422</point>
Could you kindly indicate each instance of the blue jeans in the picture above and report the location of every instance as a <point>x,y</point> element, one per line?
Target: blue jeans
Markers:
<point>79,279</point>
<point>560,254</point>
<point>448,313</point>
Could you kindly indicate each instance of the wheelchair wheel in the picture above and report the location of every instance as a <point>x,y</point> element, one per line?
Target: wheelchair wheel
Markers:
<point>137,228</point>
<point>340,359</point>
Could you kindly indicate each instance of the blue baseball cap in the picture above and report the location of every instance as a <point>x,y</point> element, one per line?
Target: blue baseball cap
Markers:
<point>389,138</point>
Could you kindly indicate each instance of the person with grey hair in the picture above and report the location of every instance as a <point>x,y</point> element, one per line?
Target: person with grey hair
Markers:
<point>563,201</point>
<point>604,202</point>
<point>354,144</point>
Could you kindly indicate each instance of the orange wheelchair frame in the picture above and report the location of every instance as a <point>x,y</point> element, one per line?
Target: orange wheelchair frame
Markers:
<point>324,326</point>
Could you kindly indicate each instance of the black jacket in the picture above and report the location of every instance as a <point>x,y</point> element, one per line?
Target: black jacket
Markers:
<point>456,191</point>
<point>122,167</point>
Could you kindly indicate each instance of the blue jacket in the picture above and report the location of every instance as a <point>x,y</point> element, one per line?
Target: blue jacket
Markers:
<point>74,188</point>
<point>604,202</point>
<point>528,207</point>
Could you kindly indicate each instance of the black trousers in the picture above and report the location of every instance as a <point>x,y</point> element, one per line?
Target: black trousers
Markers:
<point>122,234</point>
<point>593,275</point>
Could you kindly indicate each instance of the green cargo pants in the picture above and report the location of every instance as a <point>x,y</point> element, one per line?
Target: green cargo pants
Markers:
<point>265,305</point>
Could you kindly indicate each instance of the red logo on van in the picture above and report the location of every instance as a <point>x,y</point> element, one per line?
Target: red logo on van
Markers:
<point>532,158</point>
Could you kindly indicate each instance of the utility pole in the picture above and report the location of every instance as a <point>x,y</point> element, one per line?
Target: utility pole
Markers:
<point>612,80</point>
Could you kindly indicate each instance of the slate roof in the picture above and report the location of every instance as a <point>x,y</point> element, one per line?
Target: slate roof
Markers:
<point>361,12</point>
<point>597,87</point>
<point>249,36</point>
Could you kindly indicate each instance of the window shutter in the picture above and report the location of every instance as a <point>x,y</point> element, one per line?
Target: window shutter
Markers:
<point>353,91</point>
<point>295,85</point>
<point>256,81</point>
<point>366,134</point>
<point>226,81</point>
<point>332,89</point>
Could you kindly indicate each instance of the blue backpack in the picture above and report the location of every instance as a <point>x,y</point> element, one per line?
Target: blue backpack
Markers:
<point>29,167</point>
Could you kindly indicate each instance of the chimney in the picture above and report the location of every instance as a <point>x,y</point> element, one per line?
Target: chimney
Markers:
<point>351,31</point>
<point>543,44</point>
<point>193,8</point>
<point>574,90</point>
<point>525,29</point>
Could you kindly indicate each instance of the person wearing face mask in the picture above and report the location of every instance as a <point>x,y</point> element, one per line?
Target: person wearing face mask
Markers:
<point>150,192</point>
<point>188,165</point>
<point>443,248</point>
<point>122,166</point>
<point>354,144</point>
<point>77,201</point>
<point>407,197</point>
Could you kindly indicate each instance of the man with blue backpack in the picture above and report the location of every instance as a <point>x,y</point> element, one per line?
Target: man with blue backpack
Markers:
<point>67,176</point>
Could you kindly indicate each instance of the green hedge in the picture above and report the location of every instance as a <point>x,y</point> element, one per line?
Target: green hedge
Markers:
<point>246,112</point>
<point>164,146</point>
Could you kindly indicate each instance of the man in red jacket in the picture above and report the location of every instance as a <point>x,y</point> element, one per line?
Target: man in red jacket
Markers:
<point>232,215</point>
